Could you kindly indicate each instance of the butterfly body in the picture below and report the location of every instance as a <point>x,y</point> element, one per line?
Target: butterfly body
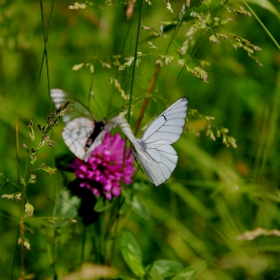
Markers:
<point>97,129</point>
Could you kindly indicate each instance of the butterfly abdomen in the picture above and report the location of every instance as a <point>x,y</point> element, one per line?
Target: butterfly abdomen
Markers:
<point>97,129</point>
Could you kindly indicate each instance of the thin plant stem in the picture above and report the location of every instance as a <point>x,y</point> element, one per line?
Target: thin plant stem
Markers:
<point>90,89</point>
<point>129,111</point>
<point>15,254</point>
<point>132,80</point>
<point>262,25</point>
<point>145,102</point>
<point>45,55</point>
<point>152,83</point>
<point>46,34</point>
<point>271,128</point>
<point>17,153</point>
<point>54,252</point>
<point>51,260</point>
<point>176,82</point>
<point>260,154</point>
<point>94,55</point>
<point>102,258</point>
<point>83,245</point>
<point>135,59</point>
<point>116,220</point>
<point>117,73</point>
<point>21,232</point>
<point>18,181</point>
<point>124,220</point>
<point>193,51</point>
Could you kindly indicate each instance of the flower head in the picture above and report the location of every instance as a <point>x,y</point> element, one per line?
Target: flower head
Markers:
<point>105,171</point>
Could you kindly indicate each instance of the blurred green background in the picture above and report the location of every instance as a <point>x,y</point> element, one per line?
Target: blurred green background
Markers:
<point>214,195</point>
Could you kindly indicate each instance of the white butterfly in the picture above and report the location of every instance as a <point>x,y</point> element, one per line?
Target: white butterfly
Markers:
<point>82,133</point>
<point>154,150</point>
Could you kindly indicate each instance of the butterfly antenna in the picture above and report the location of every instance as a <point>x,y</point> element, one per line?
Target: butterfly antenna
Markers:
<point>98,105</point>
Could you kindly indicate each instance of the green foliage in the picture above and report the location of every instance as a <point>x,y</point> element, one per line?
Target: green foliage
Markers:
<point>52,120</point>
<point>162,269</point>
<point>137,205</point>
<point>65,209</point>
<point>132,254</point>
<point>102,205</point>
<point>157,270</point>
<point>191,272</point>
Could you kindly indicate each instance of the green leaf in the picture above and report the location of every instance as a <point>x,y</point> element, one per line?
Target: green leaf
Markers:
<point>65,208</point>
<point>191,272</point>
<point>139,185</point>
<point>132,254</point>
<point>102,204</point>
<point>266,5</point>
<point>191,200</point>
<point>138,206</point>
<point>163,268</point>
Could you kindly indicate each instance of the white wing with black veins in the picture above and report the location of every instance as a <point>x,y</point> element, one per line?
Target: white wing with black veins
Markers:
<point>154,150</point>
<point>82,133</point>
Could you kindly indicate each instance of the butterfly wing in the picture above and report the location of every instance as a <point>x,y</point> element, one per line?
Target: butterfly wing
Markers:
<point>82,133</point>
<point>99,136</point>
<point>77,109</point>
<point>153,150</point>
<point>168,126</point>
<point>163,131</point>
<point>151,167</point>
<point>166,158</point>
<point>79,135</point>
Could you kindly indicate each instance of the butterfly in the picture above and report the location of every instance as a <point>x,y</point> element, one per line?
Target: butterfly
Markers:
<point>154,150</point>
<point>82,133</point>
